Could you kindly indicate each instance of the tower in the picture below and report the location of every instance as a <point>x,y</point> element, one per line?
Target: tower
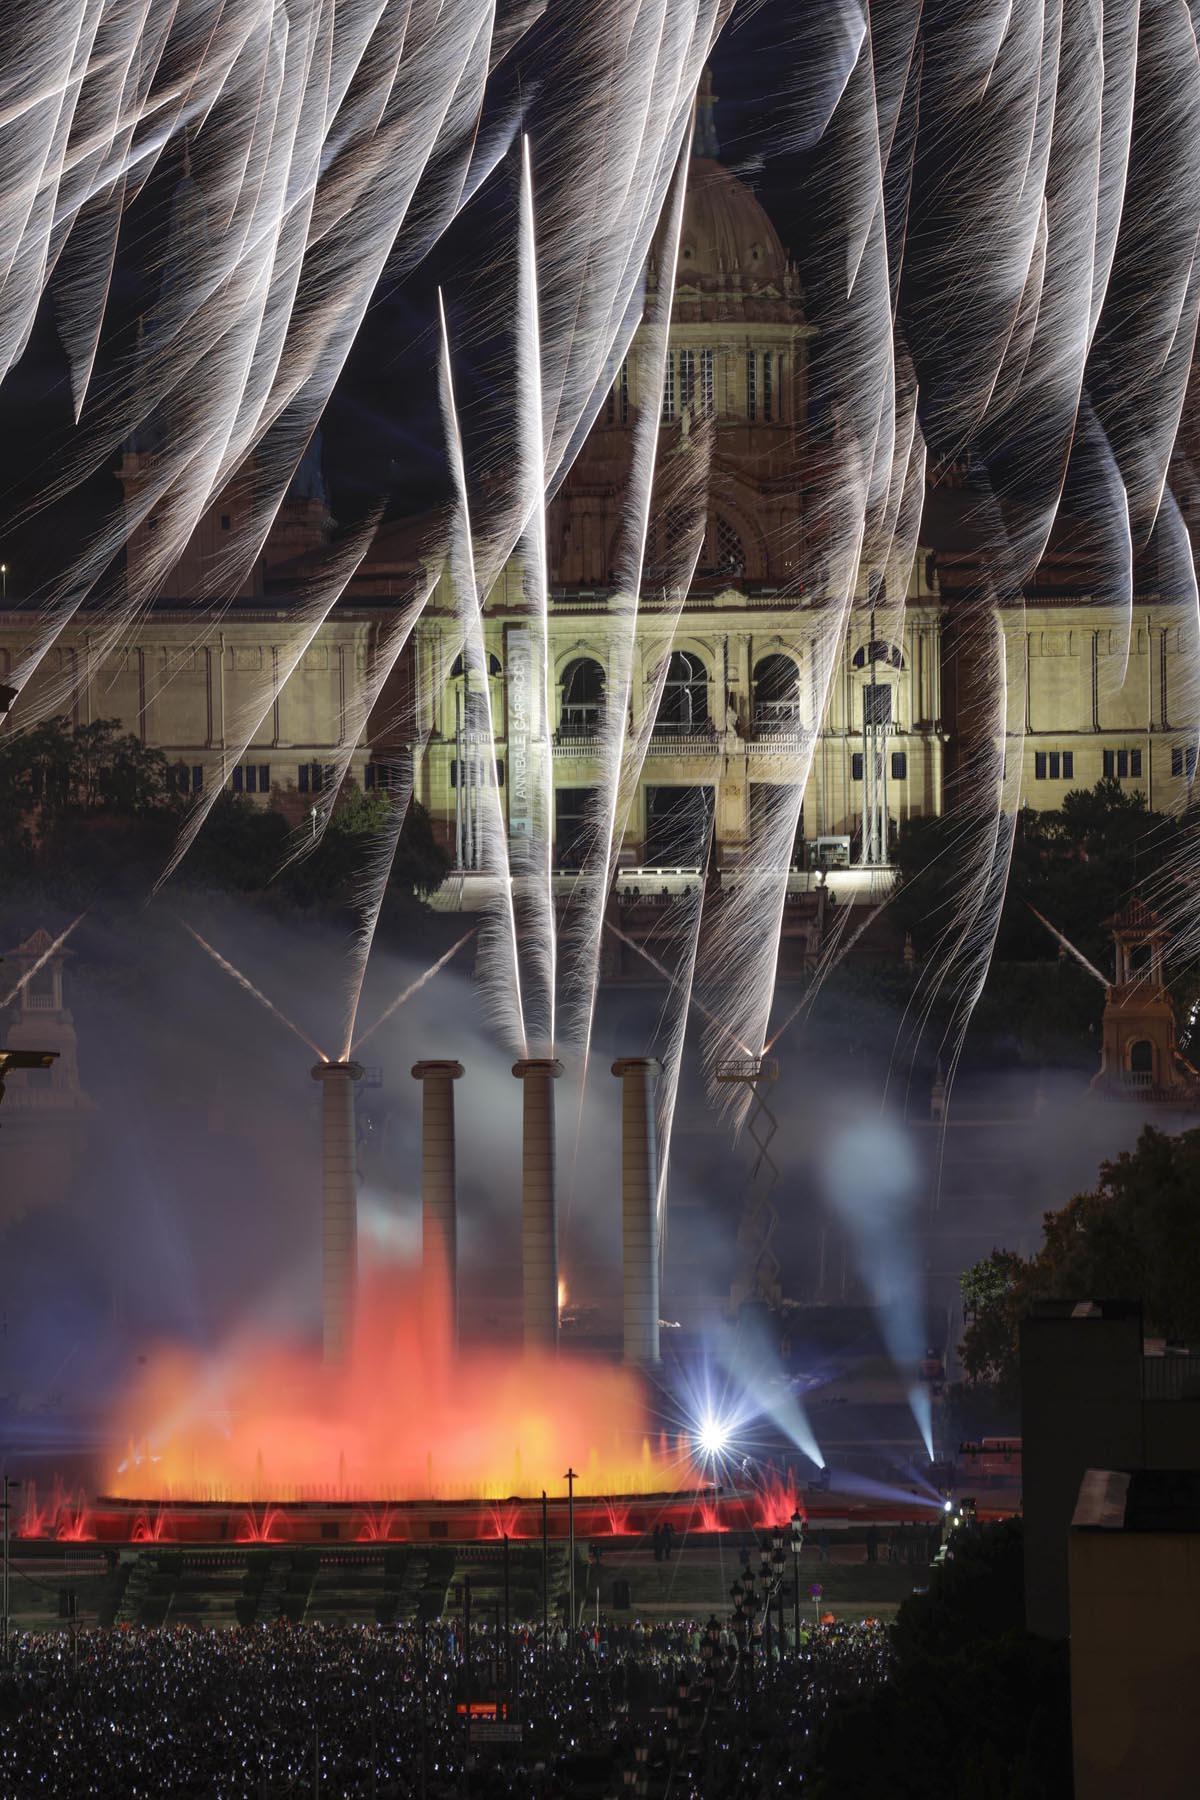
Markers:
<point>45,1108</point>
<point>1138,1054</point>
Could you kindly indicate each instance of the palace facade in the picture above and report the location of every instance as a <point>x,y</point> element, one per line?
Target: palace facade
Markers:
<point>738,714</point>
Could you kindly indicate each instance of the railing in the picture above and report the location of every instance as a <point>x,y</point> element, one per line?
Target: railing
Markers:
<point>1174,1377</point>
<point>668,738</point>
<point>1138,1078</point>
<point>576,743</point>
<point>784,715</point>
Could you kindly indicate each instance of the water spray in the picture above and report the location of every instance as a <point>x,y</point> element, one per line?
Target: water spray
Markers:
<point>245,982</point>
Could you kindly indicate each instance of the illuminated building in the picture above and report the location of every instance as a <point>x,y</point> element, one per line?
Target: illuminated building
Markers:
<point>740,698</point>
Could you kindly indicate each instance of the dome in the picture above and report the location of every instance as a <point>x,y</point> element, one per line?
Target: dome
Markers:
<point>726,231</point>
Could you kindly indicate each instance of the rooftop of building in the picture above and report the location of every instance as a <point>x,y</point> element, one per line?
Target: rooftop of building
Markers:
<point>1139,1500</point>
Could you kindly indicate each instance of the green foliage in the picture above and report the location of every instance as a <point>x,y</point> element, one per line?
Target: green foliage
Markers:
<point>1136,1236</point>
<point>987,1282</point>
<point>59,768</point>
<point>975,1709</point>
<point>88,812</point>
<point>1077,866</point>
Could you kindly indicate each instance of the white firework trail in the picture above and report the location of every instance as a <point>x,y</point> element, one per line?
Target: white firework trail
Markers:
<point>361,704</point>
<point>595,881</point>
<point>740,954</point>
<point>325,589</point>
<point>1000,231</point>
<point>499,963</point>
<point>531,715</point>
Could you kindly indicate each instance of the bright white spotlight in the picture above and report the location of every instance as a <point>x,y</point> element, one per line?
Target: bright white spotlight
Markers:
<point>947,1506</point>
<point>712,1437</point>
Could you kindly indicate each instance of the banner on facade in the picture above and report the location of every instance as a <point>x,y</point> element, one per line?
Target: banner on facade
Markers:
<point>520,688</point>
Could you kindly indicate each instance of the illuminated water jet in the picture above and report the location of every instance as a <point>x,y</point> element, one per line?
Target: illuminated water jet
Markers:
<point>245,982</point>
<point>398,1419</point>
<point>414,987</point>
<point>43,959</point>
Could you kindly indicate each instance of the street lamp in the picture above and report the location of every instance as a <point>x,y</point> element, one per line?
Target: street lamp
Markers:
<point>24,1059</point>
<point>797,1547</point>
<point>8,1481</point>
<point>571,1478</point>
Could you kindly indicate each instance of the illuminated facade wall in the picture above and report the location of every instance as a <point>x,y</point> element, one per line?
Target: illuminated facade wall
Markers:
<point>741,704</point>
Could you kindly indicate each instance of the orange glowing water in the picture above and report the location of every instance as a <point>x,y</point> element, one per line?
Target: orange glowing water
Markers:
<point>403,1419</point>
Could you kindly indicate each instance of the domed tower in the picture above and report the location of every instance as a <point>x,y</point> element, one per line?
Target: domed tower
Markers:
<point>46,1110</point>
<point>1139,1056</point>
<point>737,357</point>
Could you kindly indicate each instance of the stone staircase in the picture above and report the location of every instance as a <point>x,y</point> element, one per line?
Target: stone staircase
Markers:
<point>135,1592</point>
<point>272,1593</point>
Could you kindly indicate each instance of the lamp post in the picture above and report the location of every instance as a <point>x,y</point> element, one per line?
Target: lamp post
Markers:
<point>737,1594</point>
<point>797,1547</point>
<point>507,1624</point>
<point>764,1575</point>
<point>545,1594</point>
<point>571,1478</point>
<point>8,1482</point>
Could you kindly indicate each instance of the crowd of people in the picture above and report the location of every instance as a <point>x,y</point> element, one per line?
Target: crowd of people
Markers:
<point>345,1711</point>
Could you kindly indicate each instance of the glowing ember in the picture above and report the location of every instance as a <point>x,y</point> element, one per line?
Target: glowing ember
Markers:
<point>402,1419</point>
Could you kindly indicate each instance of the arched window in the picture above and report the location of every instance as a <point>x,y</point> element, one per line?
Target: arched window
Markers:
<point>776,692</point>
<point>1141,1060</point>
<point>582,697</point>
<point>493,663</point>
<point>721,554</point>
<point>674,544</point>
<point>878,651</point>
<point>684,705</point>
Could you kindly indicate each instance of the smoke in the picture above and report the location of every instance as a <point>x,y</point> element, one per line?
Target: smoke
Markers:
<point>871,1180</point>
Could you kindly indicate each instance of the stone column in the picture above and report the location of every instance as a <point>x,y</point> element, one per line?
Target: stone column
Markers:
<point>339,1206</point>
<point>639,1208</point>
<point>439,1201</point>
<point>539,1216</point>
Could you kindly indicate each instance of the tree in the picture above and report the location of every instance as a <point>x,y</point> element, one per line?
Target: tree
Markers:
<point>1076,865</point>
<point>58,768</point>
<point>1137,1235</point>
<point>87,812</point>
<point>975,1708</point>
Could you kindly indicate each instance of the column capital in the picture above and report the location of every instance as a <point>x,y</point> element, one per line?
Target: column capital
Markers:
<point>629,1065</point>
<point>450,1069</point>
<point>538,1065</point>
<point>327,1070</point>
